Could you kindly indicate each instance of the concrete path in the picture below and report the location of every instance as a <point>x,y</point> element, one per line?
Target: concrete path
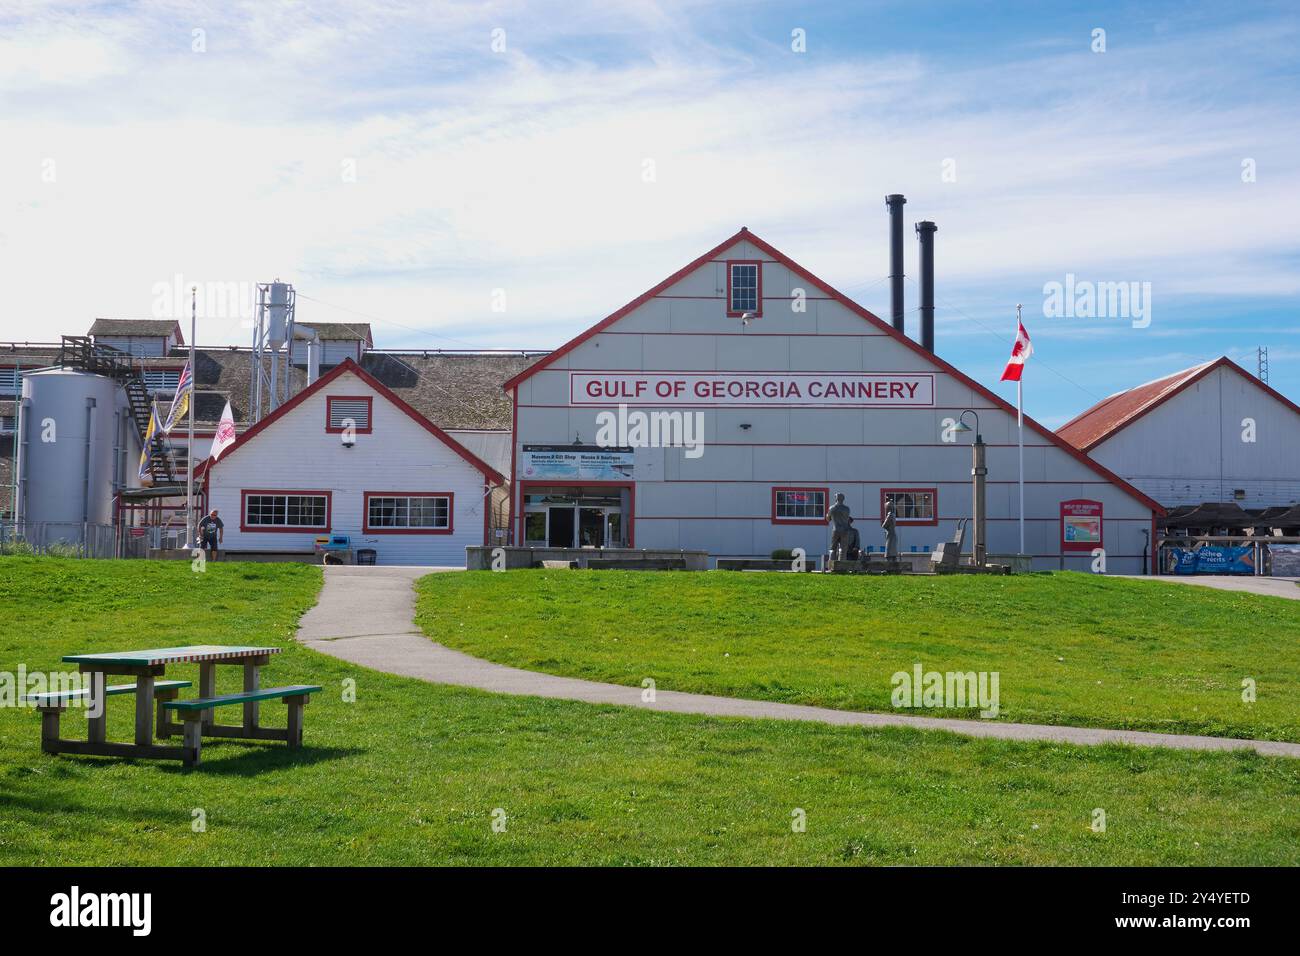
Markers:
<point>1272,587</point>
<point>366,616</point>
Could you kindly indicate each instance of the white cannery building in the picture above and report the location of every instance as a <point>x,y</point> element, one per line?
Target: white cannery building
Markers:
<point>785,393</point>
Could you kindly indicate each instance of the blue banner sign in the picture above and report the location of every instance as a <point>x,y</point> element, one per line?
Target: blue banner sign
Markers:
<point>1214,559</point>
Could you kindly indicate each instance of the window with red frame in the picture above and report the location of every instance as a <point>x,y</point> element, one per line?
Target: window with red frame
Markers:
<point>744,288</point>
<point>799,505</point>
<point>911,505</point>
<point>429,513</point>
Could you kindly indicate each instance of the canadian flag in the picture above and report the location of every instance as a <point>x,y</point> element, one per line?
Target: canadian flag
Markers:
<point>1019,353</point>
<point>225,435</point>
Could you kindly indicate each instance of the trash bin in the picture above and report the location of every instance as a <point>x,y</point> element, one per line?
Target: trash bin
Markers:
<point>366,555</point>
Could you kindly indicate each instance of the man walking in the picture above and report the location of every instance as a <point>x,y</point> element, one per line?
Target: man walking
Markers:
<point>212,532</point>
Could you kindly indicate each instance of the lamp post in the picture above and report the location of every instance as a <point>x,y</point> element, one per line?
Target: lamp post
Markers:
<point>979,471</point>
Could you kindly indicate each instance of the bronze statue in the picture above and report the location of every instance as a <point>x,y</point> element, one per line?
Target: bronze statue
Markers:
<point>889,524</point>
<point>845,542</point>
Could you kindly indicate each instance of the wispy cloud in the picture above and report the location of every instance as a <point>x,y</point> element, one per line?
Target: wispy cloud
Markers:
<point>604,148</point>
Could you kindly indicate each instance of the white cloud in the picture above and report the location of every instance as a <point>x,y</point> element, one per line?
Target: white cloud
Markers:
<point>525,170</point>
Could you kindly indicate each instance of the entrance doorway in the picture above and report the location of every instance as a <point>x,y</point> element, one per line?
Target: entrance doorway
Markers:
<point>582,517</point>
<point>559,527</point>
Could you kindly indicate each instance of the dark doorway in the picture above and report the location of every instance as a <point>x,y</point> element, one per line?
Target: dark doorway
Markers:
<point>561,534</point>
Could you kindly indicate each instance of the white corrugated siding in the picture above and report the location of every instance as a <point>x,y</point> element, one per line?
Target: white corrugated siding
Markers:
<point>295,453</point>
<point>721,501</point>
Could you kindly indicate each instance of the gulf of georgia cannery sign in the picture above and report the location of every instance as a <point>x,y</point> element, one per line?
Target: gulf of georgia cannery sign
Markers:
<point>809,389</point>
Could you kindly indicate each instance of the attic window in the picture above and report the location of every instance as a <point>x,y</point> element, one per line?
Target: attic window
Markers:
<point>344,411</point>
<point>744,287</point>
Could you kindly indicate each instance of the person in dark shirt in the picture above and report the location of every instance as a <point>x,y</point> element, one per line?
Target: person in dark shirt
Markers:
<point>212,532</point>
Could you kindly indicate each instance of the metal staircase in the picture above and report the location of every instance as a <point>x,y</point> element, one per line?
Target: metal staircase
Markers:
<point>79,352</point>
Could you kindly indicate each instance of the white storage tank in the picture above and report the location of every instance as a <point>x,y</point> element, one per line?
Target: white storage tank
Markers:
<point>75,441</point>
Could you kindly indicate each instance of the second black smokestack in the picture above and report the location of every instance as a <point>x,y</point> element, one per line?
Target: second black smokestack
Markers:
<point>925,231</point>
<point>895,202</point>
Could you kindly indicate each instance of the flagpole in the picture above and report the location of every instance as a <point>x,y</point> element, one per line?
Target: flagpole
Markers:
<point>1020,429</point>
<point>189,453</point>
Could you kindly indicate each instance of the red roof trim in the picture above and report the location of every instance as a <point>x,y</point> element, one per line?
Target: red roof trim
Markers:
<point>640,300</point>
<point>1150,406</point>
<point>348,365</point>
<point>744,235</point>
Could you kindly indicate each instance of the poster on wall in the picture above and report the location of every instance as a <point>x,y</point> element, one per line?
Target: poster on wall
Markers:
<point>1285,560</point>
<point>1081,525</point>
<point>576,462</point>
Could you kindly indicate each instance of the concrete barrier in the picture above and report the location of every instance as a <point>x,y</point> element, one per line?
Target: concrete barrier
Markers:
<point>479,558</point>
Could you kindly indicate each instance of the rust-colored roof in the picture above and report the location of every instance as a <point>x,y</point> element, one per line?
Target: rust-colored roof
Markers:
<point>1092,427</point>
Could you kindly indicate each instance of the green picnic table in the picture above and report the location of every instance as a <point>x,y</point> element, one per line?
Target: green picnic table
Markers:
<point>147,667</point>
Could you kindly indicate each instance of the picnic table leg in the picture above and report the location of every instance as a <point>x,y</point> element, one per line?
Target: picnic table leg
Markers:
<point>295,720</point>
<point>144,710</point>
<point>163,731</point>
<point>193,740</point>
<point>251,681</point>
<point>97,703</point>
<point>50,727</point>
<point>207,687</point>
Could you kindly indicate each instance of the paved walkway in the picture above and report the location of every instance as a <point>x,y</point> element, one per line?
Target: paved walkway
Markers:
<point>366,616</point>
<point>1273,587</point>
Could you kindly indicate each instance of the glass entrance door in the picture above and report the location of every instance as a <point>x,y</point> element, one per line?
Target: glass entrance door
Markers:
<point>591,527</point>
<point>573,518</point>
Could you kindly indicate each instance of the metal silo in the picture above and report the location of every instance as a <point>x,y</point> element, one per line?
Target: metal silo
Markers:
<point>71,457</point>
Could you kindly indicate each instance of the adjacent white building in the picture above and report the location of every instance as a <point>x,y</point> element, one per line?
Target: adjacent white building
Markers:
<point>801,394</point>
<point>1210,433</point>
<point>347,455</point>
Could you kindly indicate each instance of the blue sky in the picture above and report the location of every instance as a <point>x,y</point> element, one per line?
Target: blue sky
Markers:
<point>136,150</point>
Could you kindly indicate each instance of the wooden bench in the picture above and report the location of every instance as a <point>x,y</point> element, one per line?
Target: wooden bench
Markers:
<point>52,704</point>
<point>192,711</point>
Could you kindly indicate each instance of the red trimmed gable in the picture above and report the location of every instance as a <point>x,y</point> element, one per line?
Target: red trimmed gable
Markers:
<point>349,366</point>
<point>744,235</point>
<point>1090,428</point>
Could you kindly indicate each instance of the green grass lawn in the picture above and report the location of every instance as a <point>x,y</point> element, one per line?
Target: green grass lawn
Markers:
<point>1070,648</point>
<point>412,772</point>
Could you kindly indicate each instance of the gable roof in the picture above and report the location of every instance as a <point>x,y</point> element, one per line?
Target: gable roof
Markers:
<point>348,366</point>
<point>744,235</point>
<point>1090,428</point>
<point>142,328</point>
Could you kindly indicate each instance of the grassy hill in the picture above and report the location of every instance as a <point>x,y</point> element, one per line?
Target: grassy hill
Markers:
<point>411,773</point>
<point>1069,648</point>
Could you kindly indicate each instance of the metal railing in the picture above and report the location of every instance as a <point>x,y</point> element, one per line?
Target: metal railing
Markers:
<point>64,539</point>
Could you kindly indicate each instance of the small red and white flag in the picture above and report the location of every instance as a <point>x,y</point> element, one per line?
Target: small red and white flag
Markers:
<point>225,434</point>
<point>1019,353</point>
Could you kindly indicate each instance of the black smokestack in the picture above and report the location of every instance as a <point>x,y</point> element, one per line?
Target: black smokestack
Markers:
<point>925,231</point>
<point>895,203</point>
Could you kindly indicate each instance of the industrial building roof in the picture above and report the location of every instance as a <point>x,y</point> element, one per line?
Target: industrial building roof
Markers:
<point>343,331</point>
<point>142,328</point>
<point>1093,426</point>
<point>454,390</point>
